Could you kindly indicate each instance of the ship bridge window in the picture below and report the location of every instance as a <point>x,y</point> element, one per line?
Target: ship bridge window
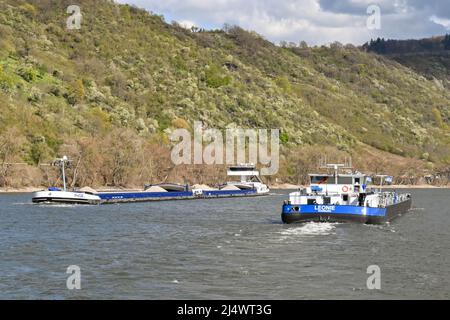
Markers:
<point>319,179</point>
<point>345,180</point>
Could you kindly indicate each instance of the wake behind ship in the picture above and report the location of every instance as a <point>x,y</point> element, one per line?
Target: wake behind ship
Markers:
<point>344,197</point>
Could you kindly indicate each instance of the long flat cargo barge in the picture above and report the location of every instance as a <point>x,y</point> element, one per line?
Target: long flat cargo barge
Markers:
<point>124,197</point>
<point>142,196</point>
<point>248,186</point>
<point>56,196</point>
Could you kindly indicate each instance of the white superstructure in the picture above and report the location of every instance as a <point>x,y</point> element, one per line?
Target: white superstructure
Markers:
<point>344,189</point>
<point>248,178</point>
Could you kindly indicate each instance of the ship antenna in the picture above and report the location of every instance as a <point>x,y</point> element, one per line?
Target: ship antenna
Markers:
<point>64,172</point>
<point>62,163</point>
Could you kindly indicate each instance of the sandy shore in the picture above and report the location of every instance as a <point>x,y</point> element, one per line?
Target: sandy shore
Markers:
<point>21,190</point>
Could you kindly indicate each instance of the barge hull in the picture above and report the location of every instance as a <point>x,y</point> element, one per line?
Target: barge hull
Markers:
<point>398,209</point>
<point>135,196</point>
<point>110,198</point>
<point>354,214</point>
<point>64,197</point>
<point>63,200</point>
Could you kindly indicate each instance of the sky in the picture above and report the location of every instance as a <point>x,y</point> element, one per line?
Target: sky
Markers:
<point>317,22</point>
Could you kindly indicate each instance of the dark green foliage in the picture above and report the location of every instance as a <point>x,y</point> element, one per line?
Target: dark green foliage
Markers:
<point>446,42</point>
<point>382,46</point>
<point>29,74</point>
<point>215,77</point>
<point>428,57</point>
<point>284,138</point>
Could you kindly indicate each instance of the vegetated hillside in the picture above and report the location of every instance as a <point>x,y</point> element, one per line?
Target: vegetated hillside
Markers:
<point>429,57</point>
<point>109,94</point>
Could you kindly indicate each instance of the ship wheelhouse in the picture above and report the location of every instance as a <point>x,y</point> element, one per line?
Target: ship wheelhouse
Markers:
<point>248,178</point>
<point>339,183</point>
<point>333,189</point>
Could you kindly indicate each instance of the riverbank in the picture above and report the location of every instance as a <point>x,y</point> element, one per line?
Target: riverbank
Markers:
<point>287,186</point>
<point>34,189</point>
<point>283,186</point>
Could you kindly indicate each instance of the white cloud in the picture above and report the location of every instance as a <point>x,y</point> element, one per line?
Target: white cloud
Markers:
<point>443,22</point>
<point>187,24</point>
<point>315,21</point>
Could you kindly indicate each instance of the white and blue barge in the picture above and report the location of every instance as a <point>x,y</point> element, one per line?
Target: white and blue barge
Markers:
<point>249,185</point>
<point>343,197</point>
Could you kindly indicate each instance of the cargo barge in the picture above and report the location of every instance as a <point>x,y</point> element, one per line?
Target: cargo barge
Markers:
<point>249,185</point>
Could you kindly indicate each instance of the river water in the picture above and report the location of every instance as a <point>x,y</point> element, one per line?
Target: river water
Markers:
<point>219,249</point>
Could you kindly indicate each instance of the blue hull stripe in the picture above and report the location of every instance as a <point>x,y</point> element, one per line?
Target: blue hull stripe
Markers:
<point>184,194</point>
<point>140,195</point>
<point>334,210</point>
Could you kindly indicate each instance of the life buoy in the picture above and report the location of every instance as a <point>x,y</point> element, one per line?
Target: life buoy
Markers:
<point>344,189</point>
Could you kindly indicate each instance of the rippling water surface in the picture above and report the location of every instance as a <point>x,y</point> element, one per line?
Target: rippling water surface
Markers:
<point>219,249</point>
